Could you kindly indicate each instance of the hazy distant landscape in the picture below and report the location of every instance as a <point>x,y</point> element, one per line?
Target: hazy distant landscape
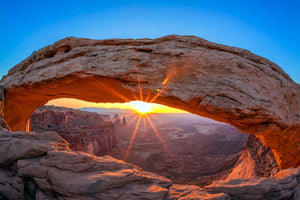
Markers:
<point>186,148</point>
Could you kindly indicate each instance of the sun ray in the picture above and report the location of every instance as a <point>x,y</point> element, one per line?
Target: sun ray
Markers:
<point>148,95</point>
<point>113,91</point>
<point>172,71</point>
<point>158,119</point>
<point>160,138</point>
<point>134,96</point>
<point>160,91</point>
<point>140,90</point>
<point>157,95</point>
<point>128,124</point>
<point>132,138</point>
<point>129,114</point>
<point>109,89</point>
<point>141,107</point>
<point>145,127</point>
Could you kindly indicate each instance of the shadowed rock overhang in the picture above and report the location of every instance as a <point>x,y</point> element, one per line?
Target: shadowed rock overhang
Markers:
<point>223,83</point>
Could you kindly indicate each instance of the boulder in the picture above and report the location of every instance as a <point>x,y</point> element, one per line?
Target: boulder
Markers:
<point>11,185</point>
<point>21,145</point>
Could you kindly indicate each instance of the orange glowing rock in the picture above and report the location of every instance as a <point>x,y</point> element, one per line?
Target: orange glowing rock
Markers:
<point>224,83</point>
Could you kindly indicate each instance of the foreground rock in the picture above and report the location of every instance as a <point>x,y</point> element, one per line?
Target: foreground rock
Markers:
<point>41,166</point>
<point>256,161</point>
<point>282,186</point>
<point>224,83</point>
<point>186,192</point>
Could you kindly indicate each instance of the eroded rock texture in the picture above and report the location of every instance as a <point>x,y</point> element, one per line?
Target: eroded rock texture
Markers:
<point>85,131</point>
<point>256,161</point>
<point>277,187</point>
<point>41,166</point>
<point>223,83</point>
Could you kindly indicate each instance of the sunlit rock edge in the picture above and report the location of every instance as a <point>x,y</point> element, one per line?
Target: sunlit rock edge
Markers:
<point>42,166</point>
<point>215,82</point>
<point>227,84</point>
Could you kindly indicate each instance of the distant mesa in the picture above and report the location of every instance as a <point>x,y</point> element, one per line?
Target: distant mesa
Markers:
<point>85,131</point>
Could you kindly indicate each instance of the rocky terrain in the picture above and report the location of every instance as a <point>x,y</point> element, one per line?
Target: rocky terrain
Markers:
<point>256,161</point>
<point>191,150</point>
<point>195,150</point>
<point>85,131</point>
<point>41,166</point>
<point>224,83</point>
<point>185,148</point>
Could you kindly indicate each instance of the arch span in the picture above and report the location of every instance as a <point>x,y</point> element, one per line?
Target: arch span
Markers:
<point>224,83</point>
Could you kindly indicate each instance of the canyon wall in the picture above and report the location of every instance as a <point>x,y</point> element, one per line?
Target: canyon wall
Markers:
<point>224,83</point>
<point>256,160</point>
<point>93,133</point>
<point>85,131</point>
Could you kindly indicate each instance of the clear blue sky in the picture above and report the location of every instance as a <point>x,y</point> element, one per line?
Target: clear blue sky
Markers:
<point>268,28</point>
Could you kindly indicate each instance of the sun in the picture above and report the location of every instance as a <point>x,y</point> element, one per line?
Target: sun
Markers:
<point>141,107</point>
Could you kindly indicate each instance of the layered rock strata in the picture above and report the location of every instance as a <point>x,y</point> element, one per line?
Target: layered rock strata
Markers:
<point>256,161</point>
<point>85,131</point>
<point>41,166</point>
<point>224,83</point>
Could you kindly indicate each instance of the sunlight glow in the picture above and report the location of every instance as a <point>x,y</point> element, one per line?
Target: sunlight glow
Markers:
<point>75,103</point>
<point>132,138</point>
<point>141,107</point>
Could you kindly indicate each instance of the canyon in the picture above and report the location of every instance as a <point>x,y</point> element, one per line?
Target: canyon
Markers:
<point>188,150</point>
<point>223,83</point>
<point>84,131</point>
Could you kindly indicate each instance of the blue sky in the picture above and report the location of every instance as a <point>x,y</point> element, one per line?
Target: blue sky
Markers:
<point>268,28</point>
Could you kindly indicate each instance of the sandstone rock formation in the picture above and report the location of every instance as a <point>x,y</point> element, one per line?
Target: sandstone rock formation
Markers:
<point>276,187</point>
<point>41,166</point>
<point>85,131</point>
<point>56,172</point>
<point>256,161</point>
<point>224,83</point>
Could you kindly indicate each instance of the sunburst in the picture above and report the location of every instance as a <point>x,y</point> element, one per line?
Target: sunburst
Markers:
<point>143,109</point>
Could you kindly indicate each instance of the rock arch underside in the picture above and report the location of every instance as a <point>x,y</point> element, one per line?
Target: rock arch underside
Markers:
<point>223,83</point>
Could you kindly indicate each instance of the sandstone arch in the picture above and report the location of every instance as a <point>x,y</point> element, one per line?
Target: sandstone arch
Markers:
<point>223,83</point>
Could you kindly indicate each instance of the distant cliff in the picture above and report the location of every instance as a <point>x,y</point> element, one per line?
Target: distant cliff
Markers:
<point>85,131</point>
<point>200,159</point>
